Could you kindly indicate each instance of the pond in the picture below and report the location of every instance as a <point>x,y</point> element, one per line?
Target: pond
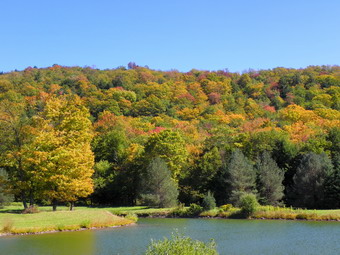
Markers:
<point>232,237</point>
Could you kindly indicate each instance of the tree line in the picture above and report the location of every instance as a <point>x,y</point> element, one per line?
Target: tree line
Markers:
<point>134,135</point>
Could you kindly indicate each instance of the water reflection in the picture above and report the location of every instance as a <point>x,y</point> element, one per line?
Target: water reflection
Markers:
<point>50,244</point>
<point>232,237</point>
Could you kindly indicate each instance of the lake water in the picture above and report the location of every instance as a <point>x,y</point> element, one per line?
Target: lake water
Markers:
<point>232,237</point>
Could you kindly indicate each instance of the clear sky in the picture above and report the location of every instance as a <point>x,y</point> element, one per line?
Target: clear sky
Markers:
<point>177,34</point>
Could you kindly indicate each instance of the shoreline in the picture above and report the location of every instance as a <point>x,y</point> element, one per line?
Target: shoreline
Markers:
<point>60,231</point>
<point>157,217</point>
<point>169,216</point>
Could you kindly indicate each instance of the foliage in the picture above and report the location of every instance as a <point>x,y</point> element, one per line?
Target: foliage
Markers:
<point>181,245</point>
<point>170,146</point>
<point>208,202</point>
<point>226,207</point>
<point>242,176</point>
<point>64,160</point>
<point>248,204</point>
<point>193,210</point>
<point>270,178</point>
<point>309,180</point>
<point>132,216</point>
<point>158,188</point>
<point>5,197</point>
<point>193,120</point>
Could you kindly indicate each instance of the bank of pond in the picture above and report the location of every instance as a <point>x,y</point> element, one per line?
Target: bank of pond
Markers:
<point>43,220</point>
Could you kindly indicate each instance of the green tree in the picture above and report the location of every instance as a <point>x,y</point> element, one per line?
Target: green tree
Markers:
<point>110,146</point>
<point>270,178</point>
<point>201,176</point>
<point>332,185</point>
<point>5,197</point>
<point>309,180</point>
<point>170,146</point>
<point>16,136</point>
<point>242,177</point>
<point>157,186</point>
<point>208,202</point>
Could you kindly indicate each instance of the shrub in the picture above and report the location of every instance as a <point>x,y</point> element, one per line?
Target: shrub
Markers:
<point>7,226</point>
<point>179,211</point>
<point>209,202</point>
<point>180,245</point>
<point>226,208</point>
<point>248,204</point>
<point>31,209</point>
<point>194,210</point>
<point>132,216</point>
<point>60,227</point>
<point>85,224</point>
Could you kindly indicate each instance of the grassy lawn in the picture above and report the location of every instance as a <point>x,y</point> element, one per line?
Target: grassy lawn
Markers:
<point>11,221</point>
<point>140,210</point>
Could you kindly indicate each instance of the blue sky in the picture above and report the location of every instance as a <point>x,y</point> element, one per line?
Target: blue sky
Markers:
<point>182,35</point>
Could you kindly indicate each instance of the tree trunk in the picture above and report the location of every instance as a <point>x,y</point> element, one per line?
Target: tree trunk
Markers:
<point>54,204</point>
<point>23,198</point>
<point>71,206</point>
<point>31,199</point>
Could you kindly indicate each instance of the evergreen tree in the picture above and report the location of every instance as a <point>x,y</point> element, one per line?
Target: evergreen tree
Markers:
<point>241,176</point>
<point>209,202</point>
<point>332,185</point>
<point>270,178</point>
<point>158,188</point>
<point>309,180</point>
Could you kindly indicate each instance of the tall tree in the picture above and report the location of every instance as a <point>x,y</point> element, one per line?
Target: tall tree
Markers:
<point>309,180</point>
<point>332,185</point>
<point>158,188</point>
<point>270,178</point>
<point>235,178</point>
<point>15,137</point>
<point>170,146</point>
<point>64,160</point>
<point>242,177</point>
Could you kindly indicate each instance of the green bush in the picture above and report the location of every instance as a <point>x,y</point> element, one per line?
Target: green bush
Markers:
<point>248,204</point>
<point>7,226</point>
<point>179,211</point>
<point>132,216</point>
<point>194,210</point>
<point>209,202</point>
<point>226,207</point>
<point>85,224</point>
<point>180,245</point>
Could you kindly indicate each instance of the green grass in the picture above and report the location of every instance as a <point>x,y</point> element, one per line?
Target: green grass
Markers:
<point>272,212</point>
<point>46,220</point>
<point>140,211</point>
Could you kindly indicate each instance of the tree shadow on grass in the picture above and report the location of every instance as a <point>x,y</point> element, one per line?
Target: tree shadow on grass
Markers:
<point>10,211</point>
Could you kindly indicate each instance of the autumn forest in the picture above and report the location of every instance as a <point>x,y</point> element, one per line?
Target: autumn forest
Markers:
<point>133,135</point>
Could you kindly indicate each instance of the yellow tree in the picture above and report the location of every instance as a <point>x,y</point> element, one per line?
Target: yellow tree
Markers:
<point>64,160</point>
<point>16,137</point>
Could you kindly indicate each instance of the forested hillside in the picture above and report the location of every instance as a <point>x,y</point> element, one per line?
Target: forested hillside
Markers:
<point>132,135</point>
